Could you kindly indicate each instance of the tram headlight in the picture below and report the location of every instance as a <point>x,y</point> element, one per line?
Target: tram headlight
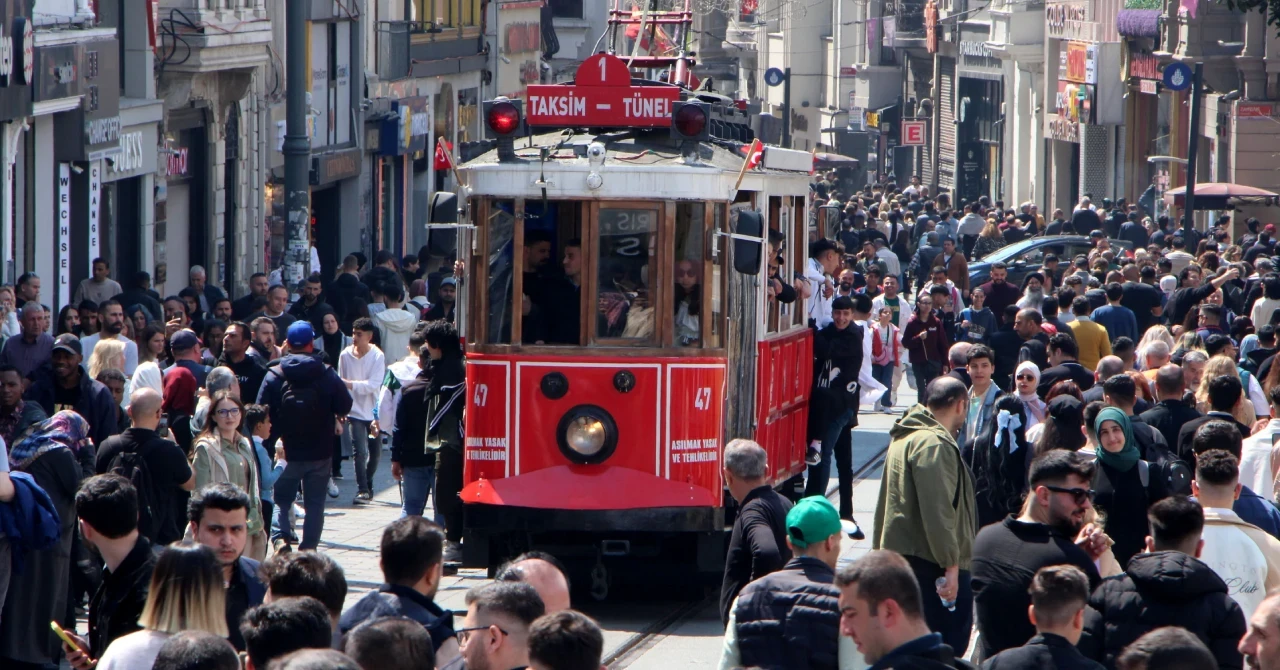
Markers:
<point>587,435</point>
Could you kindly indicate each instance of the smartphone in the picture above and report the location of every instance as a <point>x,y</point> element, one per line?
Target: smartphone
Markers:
<point>163,426</point>
<point>66,638</point>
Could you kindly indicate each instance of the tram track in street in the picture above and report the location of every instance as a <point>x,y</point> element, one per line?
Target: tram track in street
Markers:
<point>635,646</point>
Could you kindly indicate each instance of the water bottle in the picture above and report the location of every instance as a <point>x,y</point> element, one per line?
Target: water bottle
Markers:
<point>949,604</point>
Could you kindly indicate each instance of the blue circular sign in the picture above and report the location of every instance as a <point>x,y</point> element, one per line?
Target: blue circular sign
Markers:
<point>1177,76</point>
<point>774,76</point>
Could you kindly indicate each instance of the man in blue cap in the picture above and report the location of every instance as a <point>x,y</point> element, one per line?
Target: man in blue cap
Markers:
<point>791,618</point>
<point>307,401</point>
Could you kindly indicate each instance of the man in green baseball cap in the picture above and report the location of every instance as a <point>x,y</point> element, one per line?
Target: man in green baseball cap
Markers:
<point>761,630</point>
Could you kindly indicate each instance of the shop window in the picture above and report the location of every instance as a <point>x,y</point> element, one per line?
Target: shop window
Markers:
<point>690,273</point>
<point>715,330</point>
<point>446,13</point>
<point>625,279</point>
<point>500,265</point>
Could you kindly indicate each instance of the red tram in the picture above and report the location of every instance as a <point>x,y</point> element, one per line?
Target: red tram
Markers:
<point>619,330</point>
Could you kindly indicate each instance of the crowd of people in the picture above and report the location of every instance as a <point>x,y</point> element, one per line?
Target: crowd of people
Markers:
<point>1088,476</point>
<point>153,451</point>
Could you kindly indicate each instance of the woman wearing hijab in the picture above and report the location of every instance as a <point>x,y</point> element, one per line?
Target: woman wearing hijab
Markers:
<point>1025,380</point>
<point>1121,495</point>
<point>999,462</point>
<point>179,404</point>
<point>38,594</point>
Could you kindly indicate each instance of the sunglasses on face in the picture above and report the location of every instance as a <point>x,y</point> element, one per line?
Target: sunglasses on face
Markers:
<point>1079,495</point>
<point>1026,378</point>
<point>686,272</point>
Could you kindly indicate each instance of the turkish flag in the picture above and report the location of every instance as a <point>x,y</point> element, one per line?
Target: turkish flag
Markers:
<point>444,155</point>
<point>755,154</point>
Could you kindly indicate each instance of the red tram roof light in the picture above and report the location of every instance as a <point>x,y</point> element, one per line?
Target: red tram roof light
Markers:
<point>503,117</point>
<point>689,121</point>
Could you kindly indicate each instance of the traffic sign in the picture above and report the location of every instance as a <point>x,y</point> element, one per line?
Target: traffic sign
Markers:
<point>1177,76</point>
<point>601,96</point>
<point>913,133</point>
<point>774,76</point>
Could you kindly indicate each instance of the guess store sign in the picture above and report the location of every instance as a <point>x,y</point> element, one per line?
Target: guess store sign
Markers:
<point>601,96</point>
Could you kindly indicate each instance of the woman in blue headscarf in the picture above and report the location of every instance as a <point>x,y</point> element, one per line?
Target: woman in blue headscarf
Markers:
<point>1121,494</point>
<point>48,452</point>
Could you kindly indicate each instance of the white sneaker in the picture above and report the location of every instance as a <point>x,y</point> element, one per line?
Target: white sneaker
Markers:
<point>452,552</point>
<point>298,512</point>
<point>333,488</point>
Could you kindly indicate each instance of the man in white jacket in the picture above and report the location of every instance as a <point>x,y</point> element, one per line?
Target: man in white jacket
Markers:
<point>1246,558</point>
<point>394,324</point>
<point>362,367</point>
<point>1260,458</point>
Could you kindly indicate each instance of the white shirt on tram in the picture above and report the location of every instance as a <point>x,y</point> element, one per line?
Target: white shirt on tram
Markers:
<point>819,306</point>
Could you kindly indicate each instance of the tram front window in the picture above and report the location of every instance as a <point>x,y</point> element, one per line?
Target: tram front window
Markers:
<point>689,263</point>
<point>625,308</point>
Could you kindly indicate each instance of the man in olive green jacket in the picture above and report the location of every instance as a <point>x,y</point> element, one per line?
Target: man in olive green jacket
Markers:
<point>927,511</point>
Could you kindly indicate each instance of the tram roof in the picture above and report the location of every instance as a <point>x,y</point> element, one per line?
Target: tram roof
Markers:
<point>639,148</point>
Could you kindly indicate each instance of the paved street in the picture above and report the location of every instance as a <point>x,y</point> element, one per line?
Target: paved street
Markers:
<point>690,636</point>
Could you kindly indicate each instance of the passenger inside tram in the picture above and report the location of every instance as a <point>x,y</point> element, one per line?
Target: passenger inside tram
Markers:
<point>688,303</point>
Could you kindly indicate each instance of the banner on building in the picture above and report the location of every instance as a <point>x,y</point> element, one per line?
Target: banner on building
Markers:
<point>64,234</point>
<point>95,207</point>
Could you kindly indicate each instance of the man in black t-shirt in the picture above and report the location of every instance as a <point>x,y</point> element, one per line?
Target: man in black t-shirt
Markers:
<point>170,474</point>
<point>249,370</point>
<point>1144,300</point>
<point>66,386</point>
<point>1051,531</point>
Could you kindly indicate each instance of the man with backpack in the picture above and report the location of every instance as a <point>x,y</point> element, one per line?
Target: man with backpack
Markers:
<point>156,467</point>
<point>307,401</point>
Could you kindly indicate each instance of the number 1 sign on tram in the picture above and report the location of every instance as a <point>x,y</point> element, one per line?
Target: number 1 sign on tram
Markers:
<point>601,96</point>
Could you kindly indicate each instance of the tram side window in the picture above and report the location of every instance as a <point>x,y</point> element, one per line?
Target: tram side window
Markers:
<point>551,305</point>
<point>501,230</point>
<point>717,283</point>
<point>625,274</point>
<point>689,264</point>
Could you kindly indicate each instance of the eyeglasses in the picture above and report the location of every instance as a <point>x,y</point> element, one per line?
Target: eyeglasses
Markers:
<point>686,272</point>
<point>228,413</point>
<point>1026,378</point>
<point>924,302</point>
<point>1079,495</point>
<point>464,634</point>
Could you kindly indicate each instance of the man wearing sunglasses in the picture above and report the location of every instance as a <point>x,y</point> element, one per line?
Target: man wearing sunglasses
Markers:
<point>1050,531</point>
<point>495,632</point>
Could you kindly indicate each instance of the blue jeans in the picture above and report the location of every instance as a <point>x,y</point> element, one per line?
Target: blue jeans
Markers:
<point>820,474</point>
<point>313,478</point>
<point>884,375</point>
<point>415,487</point>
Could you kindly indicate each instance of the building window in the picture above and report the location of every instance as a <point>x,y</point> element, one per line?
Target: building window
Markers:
<point>566,9</point>
<point>446,13</point>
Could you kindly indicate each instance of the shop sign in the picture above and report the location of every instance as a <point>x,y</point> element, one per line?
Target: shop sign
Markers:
<point>1144,66</point>
<point>1080,63</point>
<point>1255,110</point>
<point>1148,86</point>
<point>58,72</point>
<point>848,71</point>
<point>407,131</point>
<point>23,39</point>
<point>1069,21</point>
<point>856,119</point>
<point>177,163</point>
<point>130,157</point>
<point>1073,107</point>
<point>16,60</point>
<point>335,166</point>
<point>64,233</point>
<point>931,26</point>
<point>95,206</point>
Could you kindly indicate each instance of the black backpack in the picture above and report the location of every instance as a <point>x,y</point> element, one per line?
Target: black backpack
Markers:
<point>131,465</point>
<point>299,408</point>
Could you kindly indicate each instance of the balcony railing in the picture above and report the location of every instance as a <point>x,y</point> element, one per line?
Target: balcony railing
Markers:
<point>393,49</point>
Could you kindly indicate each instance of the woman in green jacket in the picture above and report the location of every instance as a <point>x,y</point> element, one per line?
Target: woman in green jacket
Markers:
<point>221,454</point>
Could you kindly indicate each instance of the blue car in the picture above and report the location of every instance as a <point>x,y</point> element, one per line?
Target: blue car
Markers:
<point>1025,257</point>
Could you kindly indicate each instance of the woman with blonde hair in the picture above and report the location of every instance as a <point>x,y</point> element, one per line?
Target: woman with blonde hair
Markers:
<point>1223,366</point>
<point>186,593</point>
<point>107,355</point>
<point>1157,332</point>
<point>220,453</point>
<point>989,240</point>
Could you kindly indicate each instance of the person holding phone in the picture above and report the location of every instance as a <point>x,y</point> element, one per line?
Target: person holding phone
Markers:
<point>926,342</point>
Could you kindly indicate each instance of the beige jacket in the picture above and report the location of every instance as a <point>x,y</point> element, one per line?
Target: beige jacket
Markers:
<point>1238,565</point>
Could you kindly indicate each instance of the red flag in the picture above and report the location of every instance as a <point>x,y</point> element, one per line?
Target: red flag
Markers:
<point>755,154</point>
<point>444,155</point>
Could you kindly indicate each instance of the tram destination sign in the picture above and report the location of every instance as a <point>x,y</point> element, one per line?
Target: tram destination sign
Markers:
<point>601,96</point>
